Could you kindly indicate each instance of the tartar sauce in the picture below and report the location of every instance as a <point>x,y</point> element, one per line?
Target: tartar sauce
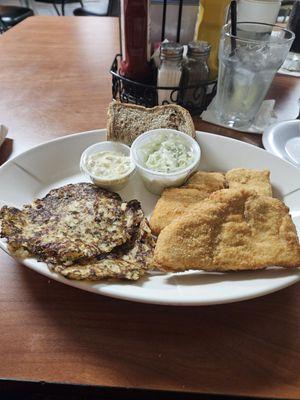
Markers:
<point>167,155</point>
<point>108,164</point>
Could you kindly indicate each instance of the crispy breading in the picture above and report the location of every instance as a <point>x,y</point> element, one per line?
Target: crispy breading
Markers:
<point>231,230</point>
<point>207,182</point>
<point>250,179</point>
<point>174,202</point>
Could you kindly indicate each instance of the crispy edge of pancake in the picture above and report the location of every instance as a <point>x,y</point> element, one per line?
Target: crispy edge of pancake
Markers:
<point>11,224</point>
<point>250,179</point>
<point>213,237</point>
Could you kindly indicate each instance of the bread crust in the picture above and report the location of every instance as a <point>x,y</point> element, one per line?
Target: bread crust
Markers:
<point>114,134</point>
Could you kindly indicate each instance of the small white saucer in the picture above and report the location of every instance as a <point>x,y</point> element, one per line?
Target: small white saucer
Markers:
<point>283,140</point>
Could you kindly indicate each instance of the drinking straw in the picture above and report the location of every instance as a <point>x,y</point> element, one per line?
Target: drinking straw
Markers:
<point>164,21</point>
<point>179,21</point>
<point>233,37</point>
<point>233,25</point>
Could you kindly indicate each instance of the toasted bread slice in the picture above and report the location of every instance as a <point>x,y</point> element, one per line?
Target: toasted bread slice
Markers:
<point>126,122</point>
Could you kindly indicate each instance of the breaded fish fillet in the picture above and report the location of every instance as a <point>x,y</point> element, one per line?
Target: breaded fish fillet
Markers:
<point>231,230</point>
<point>250,179</point>
<point>206,182</point>
<point>174,202</point>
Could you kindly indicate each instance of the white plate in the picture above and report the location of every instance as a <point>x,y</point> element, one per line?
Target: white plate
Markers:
<point>53,164</point>
<point>283,140</point>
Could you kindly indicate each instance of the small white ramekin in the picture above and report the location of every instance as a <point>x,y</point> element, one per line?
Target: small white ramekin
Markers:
<point>110,184</point>
<point>156,181</point>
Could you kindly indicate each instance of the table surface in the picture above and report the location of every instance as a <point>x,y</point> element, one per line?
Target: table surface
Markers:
<point>54,81</point>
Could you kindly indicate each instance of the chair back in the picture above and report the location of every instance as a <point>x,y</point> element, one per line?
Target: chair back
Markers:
<point>3,27</point>
<point>113,8</point>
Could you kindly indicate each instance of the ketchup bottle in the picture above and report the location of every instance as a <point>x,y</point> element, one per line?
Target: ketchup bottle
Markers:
<point>135,40</point>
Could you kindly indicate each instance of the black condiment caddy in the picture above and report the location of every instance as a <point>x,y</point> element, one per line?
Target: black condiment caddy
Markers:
<point>129,91</point>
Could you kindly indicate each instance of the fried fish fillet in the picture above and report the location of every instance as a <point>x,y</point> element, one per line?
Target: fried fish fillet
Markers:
<point>231,230</point>
<point>174,202</point>
<point>130,261</point>
<point>70,223</point>
<point>206,182</point>
<point>250,179</point>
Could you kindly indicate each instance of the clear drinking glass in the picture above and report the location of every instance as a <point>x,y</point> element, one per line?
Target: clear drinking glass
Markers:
<point>247,65</point>
<point>292,62</point>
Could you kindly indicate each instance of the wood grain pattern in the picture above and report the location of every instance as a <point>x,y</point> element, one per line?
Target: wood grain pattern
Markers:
<point>54,78</point>
<point>54,81</point>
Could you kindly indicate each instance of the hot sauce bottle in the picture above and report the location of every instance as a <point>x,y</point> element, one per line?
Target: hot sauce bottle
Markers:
<point>135,31</point>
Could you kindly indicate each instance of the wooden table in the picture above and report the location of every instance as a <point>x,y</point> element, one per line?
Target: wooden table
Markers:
<point>53,81</point>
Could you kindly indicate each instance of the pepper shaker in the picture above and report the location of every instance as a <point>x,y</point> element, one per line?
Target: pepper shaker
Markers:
<point>195,72</point>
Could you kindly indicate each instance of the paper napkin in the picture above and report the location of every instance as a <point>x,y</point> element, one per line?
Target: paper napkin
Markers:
<point>284,71</point>
<point>265,117</point>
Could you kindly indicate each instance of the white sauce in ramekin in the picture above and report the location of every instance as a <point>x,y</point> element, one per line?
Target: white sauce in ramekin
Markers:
<point>108,165</point>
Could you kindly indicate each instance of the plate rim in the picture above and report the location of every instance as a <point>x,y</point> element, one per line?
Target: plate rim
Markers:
<point>268,132</point>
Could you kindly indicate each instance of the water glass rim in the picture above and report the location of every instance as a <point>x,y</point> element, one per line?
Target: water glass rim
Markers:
<point>242,39</point>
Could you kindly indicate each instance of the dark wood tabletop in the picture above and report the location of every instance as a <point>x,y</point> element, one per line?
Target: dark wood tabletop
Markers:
<point>54,81</point>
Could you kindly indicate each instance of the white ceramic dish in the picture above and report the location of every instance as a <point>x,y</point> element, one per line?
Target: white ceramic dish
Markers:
<point>33,174</point>
<point>283,140</point>
<point>156,181</point>
<point>110,184</point>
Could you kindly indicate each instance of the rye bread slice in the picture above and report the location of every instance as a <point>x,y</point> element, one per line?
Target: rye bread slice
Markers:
<point>126,122</point>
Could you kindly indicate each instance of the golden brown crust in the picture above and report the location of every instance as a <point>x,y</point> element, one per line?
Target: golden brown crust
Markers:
<point>231,230</point>
<point>207,182</point>
<point>174,202</point>
<point>250,179</point>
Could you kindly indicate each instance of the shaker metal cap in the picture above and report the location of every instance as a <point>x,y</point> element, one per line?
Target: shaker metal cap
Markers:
<point>171,50</point>
<point>198,48</point>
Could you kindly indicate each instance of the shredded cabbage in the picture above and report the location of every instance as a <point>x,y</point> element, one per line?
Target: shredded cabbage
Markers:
<point>167,155</point>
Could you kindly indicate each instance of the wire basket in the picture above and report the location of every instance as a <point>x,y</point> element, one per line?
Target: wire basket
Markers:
<point>129,91</point>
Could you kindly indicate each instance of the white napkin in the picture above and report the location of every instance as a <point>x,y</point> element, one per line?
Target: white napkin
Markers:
<point>284,71</point>
<point>3,133</point>
<point>291,65</point>
<point>265,116</point>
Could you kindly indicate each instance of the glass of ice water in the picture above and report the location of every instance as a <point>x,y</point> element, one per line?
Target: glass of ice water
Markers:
<point>247,65</point>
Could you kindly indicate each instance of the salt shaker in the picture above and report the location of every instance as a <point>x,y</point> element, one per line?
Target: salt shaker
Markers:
<point>170,71</point>
<point>195,71</point>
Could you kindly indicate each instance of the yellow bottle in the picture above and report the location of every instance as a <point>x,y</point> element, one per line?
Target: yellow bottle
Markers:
<point>211,18</point>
